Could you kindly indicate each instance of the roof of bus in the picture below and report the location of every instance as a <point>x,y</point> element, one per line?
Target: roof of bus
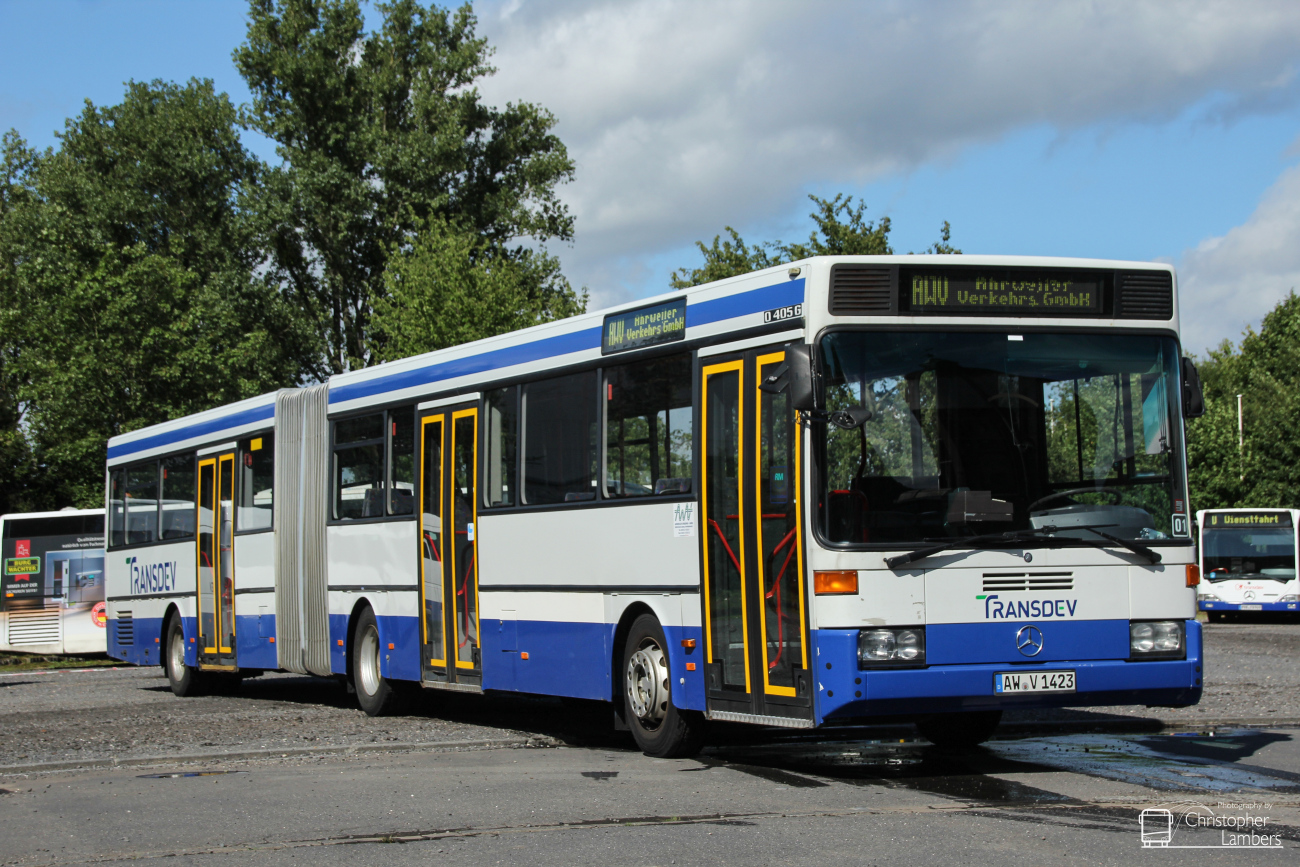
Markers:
<point>712,309</point>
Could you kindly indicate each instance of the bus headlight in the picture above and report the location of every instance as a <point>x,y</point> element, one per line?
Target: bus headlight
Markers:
<point>1156,639</point>
<point>891,647</point>
<point>1209,597</point>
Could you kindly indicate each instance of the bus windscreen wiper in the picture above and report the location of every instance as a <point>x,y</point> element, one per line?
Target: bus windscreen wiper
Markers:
<point>1014,535</point>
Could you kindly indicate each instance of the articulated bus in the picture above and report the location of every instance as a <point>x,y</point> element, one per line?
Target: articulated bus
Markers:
<point>1248,559</point>
<point>926,488</point>
<point>52,584</point>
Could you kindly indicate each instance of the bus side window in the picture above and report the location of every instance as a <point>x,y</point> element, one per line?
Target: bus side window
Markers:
<point>116,509</point>
<point>178,484</point>
<point>256,483</point>
<point>560,432</point>
<point>401,473</point>
<point>359,467</point>
<point>648,428</point>
<point>142,503</point>
<point>501,436</point>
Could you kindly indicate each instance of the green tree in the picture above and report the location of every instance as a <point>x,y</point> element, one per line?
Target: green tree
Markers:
<point>1265,371</point>
<point>842,230</point>
<point>20,488</point>
<point>137,283</point>
<point>382,133</point>
<point>452,287</point>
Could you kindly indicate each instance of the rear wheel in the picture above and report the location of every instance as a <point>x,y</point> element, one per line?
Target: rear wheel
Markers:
<point>660,728</point>
<point>184,680</point>
<point>960,730</point>
<point>374,692</point>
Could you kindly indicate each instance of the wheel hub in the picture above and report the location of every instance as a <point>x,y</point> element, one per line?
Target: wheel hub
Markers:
<point>647,683</point>
<point>370,662</point>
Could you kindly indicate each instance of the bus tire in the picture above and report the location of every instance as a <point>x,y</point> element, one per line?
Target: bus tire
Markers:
<point>374,692</point>
<point>661,729</point>
<point>959,730</point>
<point>185,681</point>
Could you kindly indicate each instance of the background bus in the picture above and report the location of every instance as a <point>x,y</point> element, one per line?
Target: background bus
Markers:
<point>1248,560</point>
<point>52,585</point>
<point>918,487</point>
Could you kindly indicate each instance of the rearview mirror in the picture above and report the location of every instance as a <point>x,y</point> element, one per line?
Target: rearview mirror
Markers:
<point>798,357</point>
<point>1193,399</point>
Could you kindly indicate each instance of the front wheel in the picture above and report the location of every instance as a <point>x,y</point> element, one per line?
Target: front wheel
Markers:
<point>374,693</point>
<point>959,730</point>
<point>661,729</point>
<point>184,680</point>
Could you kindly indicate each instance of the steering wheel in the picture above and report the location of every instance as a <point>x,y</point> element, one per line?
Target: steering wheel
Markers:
<point>1117,494</point>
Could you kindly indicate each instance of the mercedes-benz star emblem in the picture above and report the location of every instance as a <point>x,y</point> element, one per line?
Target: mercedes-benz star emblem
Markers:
<point>1250,594</point>
<point>1029,640</point>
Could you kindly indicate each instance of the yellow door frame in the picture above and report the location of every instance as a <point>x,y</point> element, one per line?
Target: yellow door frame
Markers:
<point>441,420</point>
<point>473,505</point>
<point>198,545</point>
<point>228,458</point>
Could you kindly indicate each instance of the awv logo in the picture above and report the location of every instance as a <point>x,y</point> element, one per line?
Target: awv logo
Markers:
<point>151,577</point>
<point>996,608</point>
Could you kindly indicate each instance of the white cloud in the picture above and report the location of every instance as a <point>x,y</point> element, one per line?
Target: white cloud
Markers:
<point>685,116</point>
<point>1230,281</point>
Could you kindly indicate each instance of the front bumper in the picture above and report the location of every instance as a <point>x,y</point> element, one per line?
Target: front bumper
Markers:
<point>844,691</point>
<point>1247,606</point>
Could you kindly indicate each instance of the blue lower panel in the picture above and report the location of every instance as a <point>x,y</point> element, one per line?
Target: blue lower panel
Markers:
<point>688,685</point>
<point>566,659</point>
<point>961,643</point>
<point>400,639</point>
<point>1254,606</point>
<point>255,641</point>
<point>339,643</point>
<point>845,691</point>
<point>145,645</point>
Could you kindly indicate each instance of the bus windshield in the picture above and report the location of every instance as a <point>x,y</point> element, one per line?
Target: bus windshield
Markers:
<point>1237,552</point>
<point>979,432</point>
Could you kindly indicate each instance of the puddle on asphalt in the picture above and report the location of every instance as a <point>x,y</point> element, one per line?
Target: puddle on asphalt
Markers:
<point>1194,762</point>
<point>177,776</point>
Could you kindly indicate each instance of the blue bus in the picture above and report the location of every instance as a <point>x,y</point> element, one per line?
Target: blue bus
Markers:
<point>926,488</point>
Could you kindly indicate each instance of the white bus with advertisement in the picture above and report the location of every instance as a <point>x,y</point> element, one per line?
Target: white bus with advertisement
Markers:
<point>52,584</point>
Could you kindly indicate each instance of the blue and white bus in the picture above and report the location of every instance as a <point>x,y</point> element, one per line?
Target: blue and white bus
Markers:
<point>1248,559</point>
<point>915,487</point>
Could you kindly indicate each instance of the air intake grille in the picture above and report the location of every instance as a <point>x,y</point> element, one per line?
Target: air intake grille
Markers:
<point>1145,295</point>
<point>860,290</point>
<point>125,629</point>
<point>33,626</point>
<point>1005,582</point>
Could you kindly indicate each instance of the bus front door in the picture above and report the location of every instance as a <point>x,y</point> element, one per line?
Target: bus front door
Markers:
<point>755,610</point>
<point>216,563</point>
<point>449,546</point>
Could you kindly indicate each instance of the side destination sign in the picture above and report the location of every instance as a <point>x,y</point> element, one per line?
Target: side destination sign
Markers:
<point>648,326</point>
<point>1232,520</point>
<point>943,292</point>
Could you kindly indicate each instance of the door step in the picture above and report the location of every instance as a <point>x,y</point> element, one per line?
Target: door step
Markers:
<point>784,722</point>
<point>451,687</point>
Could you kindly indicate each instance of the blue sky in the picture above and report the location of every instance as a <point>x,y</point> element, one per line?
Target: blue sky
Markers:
<point>1147,131</point>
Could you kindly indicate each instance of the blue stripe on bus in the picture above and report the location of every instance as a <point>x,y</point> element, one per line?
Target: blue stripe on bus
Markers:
<point>561,344</point>
<point>211,426</point>
<point>701,313</point>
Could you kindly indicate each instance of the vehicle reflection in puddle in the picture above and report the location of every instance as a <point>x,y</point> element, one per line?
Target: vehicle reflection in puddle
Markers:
<point>1207,762</point>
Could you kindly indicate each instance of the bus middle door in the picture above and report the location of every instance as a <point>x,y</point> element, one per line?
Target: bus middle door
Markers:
<point>216,562</point>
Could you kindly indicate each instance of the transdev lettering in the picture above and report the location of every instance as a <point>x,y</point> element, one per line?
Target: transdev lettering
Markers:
<point>1022,609</point>
<point>151,577</point>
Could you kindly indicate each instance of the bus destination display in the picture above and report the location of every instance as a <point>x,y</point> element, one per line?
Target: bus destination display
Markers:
<point>1232,520</point>
<point>649,326</point>
<point>948,293</point>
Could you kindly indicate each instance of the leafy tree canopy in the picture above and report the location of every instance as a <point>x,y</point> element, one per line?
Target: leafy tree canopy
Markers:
<point>841,230</point>
<point>1265,370</point>
<point>383,133</point>
<point>135,279</point>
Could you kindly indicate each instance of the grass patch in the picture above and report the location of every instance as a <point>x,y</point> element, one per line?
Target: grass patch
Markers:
<point>31,662</point>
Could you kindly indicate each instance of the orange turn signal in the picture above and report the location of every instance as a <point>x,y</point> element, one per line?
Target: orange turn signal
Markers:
<point>835,582</point>
<point>688,643</point>
<point>1193,574</point>
<point>690,666</point>
<point>523,655</point>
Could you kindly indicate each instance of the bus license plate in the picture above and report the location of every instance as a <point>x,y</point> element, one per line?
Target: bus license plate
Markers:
<point>1252,607</point>
<point>1033,681</point>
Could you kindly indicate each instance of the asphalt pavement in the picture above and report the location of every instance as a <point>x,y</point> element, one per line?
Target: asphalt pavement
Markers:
<point>109,766</point>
